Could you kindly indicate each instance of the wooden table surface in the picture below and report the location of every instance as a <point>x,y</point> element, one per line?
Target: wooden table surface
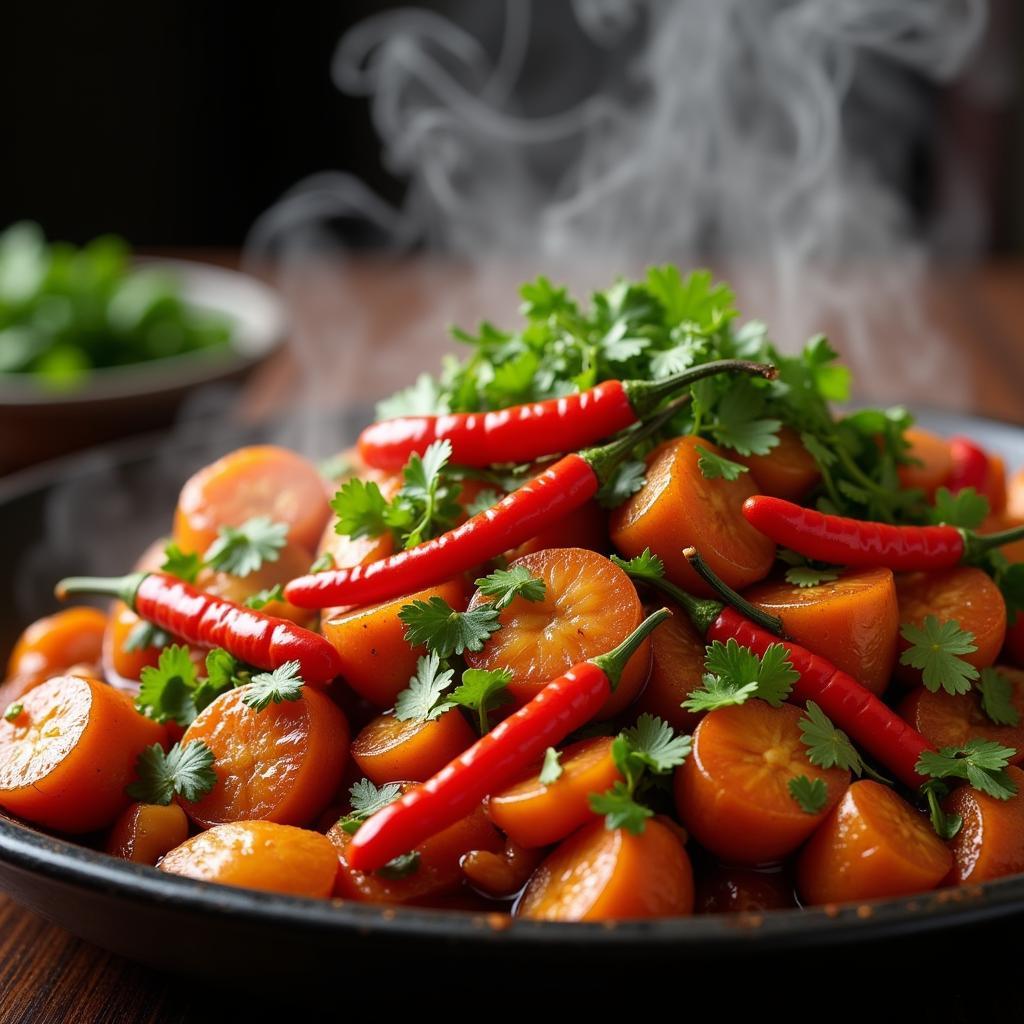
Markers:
<point>968,356</point>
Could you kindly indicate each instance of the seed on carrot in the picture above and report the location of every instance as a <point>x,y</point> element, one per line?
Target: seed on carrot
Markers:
<point>788,471</point>
<point>66,758</point>
<point>532,813</point>
<point>281,764</point>
<point>145,832</point>
<point>388,750</point>
<point>990,843</point>
<point>678,508</point>
<point>599,874</point>
<point>52,644</point>
<point>853,621</point>
<point>589,606</point>
<point>873,845</point>
<point>258,855</point>
<point>732,793</point>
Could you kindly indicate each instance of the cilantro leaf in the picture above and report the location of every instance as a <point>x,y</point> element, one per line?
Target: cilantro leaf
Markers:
<point>223,673</point>
<point>717,692</point>
<point>184,770</point>
<point>483,690</point>
<point>735,673</point>
<point>485,499</point>
<point>165,691</point>
<point>826,745</point>
<point>424,398</point>
<point>266,688</point>
<point>967,508</point>
<point>808,576</point>
<point>935,650</point>
<point>714,467</point>
<point>425,504</point>
<point>997,693</point>
<point>1009,578</point>
<point>323,563</point>
<point>421,699</point>
<point>653,743</point>
<point>445,631</point>
<point>243,549</point>
<point>360,508</point>
<point>176,563</point>
<point>619,808</point>
<point>738,424</point>
<point>946,825</point>
<point>981,762</point>
<point>811,795</point>
<point>505,585</point>
<point>264,597</point>
<point>624,482</point>
<point>646,566</point>
<point>551,770</point>
<point>365,801</point>
<point>402,866</point>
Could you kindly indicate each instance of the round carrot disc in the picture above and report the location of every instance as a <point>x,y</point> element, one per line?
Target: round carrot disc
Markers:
<point>990,843</point>
<point>388,750</point>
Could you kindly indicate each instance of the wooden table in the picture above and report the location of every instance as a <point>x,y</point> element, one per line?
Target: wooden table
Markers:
<point>47,975</point>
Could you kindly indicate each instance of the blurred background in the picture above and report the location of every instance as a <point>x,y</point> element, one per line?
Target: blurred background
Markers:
<point>854,166</point>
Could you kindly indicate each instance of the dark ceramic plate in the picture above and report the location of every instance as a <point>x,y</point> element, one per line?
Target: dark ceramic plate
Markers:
<point>99,509</point>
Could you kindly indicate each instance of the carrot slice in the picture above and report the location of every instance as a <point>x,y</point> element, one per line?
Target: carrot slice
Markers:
<point>500,875</point>
<point>728,889</point>
<point>677,668</point>
<point>788,471</point>
<point>66,759</point>
<point>990,844</point>
<point>589,606</point>
<point>603,875</point>
<point>584,527</point>
<point>996,484</point>
<point>281,764</point>
<point>532,813</point>
<point>678,508</point>
<point>951,720</point>
<point>873,845</point>
<point>965,594</point>
<point>853,621</point>
<point>436,869</point>
<point>931,462</point>
<point>50,645</point>
<point>387,750</point>
<point>145,832</point>
<point>258,855</point>
<point>263,480</point>
<point>376,660</point>
<point>732,792</point>
<point>1015,496</point>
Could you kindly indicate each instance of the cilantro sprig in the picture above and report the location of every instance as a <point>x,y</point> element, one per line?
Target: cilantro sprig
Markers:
<point>443,630</point>
<point>365,800</point>
<point>967,508</point>
<point>505,585</point>
<point>174,691</point>
<point>996,693</point>
<point>810,794</point>
<point>481,692</point>
<point>421,700</point>
<point>936,648</point>
<point>241,550</point>
<point>185,771</point>
<point>734,674</point>
<point>827,746</point>
<point>283,684</point>
<point>715,467</point>
<point>980,762</point>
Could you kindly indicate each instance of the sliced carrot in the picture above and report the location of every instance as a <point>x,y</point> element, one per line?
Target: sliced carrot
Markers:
<point>1015,496</point>
<point>50,645</point>
<point>436,869</point>
<point>532,813</point>
<point>602,875</point>
<point>732,793</point>
<point>930,463</point>
<point>853,621</point>
<point>585,527</point>
<point>145,832</point>
<point>678,507</point>
<point>589,606</point>
<point>387,750</point>
<point>788,471</point>
<point>258,855</point>
<point>728,889</point>
<point>951,720</point>
<point>500,875</point>
<point>964,594</point>
<point>281,764</point>
<point>990,843</point>
<point>377,662</point>
<point>677,668</point>
<point>873,845</point>
<point>996,486</point>
<point>66,759</point>
<point>263,480</point>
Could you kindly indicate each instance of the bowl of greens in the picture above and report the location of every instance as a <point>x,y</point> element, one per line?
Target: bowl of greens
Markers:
<point>96,343</point>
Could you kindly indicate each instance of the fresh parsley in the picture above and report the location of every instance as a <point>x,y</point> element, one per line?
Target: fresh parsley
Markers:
<point>266,688</point>
<point>935,649</point>
<point>810,794</point>
<point>827,746</point>
<point>997,693</point>
<point>946,825</point>
<point>808,576</point>
<point>715,467</point>
<point>626,479</point>
<point>967,508</point>
<point>485,499</point>
<point>646,566</point>
<point>505,585</point>
<point>360,508</point>
<point>185,771</point>
<point>177,563</point>
<point>144,635</point>
<point>443,630</point>
<point>241,550</point>
<point>481,691</point>
<point>734,674</point>
<point>173,690</point>
<point>421,699</point>
<point>264,597</point>
<point>551,770</point>
<point>981,762</point>
<point>365,800</point>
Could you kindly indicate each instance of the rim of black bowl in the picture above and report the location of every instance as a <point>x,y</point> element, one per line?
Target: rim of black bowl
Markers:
<point>64,861</point>
<point>260,326</point>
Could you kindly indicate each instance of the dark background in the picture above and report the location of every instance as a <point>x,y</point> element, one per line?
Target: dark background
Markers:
<point>176,122</point>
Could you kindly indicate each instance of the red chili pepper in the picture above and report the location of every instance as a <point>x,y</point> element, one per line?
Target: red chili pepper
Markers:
<point>539,503</point>
<point>523,433</point>
<point>970,466</point>
<point>263,641</point>
<point>870,723</point>
<point>512,746</point>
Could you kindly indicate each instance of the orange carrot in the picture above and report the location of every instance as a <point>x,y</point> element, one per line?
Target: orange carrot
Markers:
<point>500,875</point>
<point>788,471</point>
<point>387,750</point>
<point>990,843</point>
<point>584,527</point>
<point>930,462</point>
<point>50,645</point>
<point>145,832</point>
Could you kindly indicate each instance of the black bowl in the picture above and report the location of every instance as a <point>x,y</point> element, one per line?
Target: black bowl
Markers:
<point>93,513</point>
